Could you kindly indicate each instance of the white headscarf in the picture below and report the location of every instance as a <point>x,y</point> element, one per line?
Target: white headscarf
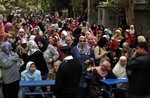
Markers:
<point>32,47</point>
<point>119,70</point>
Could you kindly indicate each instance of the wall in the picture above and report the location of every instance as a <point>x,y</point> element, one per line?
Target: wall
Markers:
<point>142,22</point>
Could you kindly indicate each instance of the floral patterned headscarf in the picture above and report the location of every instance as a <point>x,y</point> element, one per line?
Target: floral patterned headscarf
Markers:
<point>83,49</point>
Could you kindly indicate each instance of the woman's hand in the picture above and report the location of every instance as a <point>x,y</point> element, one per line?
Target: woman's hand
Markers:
<point>50,60</point>
<point>87,62</point>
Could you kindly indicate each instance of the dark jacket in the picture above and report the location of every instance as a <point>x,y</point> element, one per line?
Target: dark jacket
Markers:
<point>68,78</point>
<point>138,70</point>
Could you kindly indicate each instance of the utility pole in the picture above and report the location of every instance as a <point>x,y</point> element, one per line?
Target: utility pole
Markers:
<point>88,14</point>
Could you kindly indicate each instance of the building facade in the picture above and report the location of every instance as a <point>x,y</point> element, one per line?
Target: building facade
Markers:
<point>109,18</point>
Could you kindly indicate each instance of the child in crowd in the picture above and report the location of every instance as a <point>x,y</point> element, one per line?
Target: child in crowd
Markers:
<point>52,72</point>
<point>30,74</point>
<point>52,75</point>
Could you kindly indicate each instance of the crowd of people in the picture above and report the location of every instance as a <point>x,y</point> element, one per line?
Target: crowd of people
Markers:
<point>36,44</point>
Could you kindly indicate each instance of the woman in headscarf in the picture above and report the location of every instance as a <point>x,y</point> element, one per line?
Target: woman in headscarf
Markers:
<point>35,55</point>
<point>8,27</point>
<point>69,41</point>
<point>63,36</point>
<point>115,52</point>
<point>132,40</point>
<point>10,70</point>
<point>30,74</point>
<point>126,50</point>
<point>85,55</point>
<point>3,34</point>
<point>126,37</point>
<point>87,34</point>
<point>132,30</point>
<point>19,38</point>
<point>117,35</point>
<point>120,68</point>
<point>91,41</point>
<point>21,35</point>
<point>101,72</point>
<point>120,72</point>
<point>50,53</point>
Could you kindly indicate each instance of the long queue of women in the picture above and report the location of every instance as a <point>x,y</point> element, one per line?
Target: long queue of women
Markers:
<point>36,38</point>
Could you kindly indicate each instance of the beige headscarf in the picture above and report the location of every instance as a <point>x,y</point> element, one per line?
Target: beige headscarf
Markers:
<point>32,47</point>
<point>141,39</point>
<point>119,70</point>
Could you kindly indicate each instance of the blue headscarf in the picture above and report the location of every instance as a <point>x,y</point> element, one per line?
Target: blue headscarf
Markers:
<point>6,48</point>
<point>31,76</point>
<point>28,65</point>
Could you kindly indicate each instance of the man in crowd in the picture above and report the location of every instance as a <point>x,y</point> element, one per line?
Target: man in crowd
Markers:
<point>68,76</point>
<point>138,70</point>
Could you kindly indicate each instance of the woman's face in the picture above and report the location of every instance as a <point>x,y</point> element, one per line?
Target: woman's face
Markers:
<point>51,40</point>
<point>62,36</point>
<point>94,25</point>
<point>40,44</point>
<point>104,67</point>
<point>100,34</point>
<point>68,41</point>
<point>32,68</point>
<point>124,47</point>
<point>21,34</point>
<point>126,36</point>
<point>82,42</point>
<point>10,28</point>
<point>86,35</point>
<point>56,66</point>
<point>34,32</point>
<point>132,37</point>
<point>123,62</point>
<point>90,39</point>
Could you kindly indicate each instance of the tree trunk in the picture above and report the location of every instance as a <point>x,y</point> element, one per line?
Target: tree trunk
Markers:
<point>128,6</point>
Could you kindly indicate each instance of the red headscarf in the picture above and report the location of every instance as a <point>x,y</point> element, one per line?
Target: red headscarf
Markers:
<point>129,41</point>
<point>113,44</point>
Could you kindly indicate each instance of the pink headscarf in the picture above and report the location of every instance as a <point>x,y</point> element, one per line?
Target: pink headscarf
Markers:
<point>101,72</point>
<point>91,43</point>
<point>8,25</point>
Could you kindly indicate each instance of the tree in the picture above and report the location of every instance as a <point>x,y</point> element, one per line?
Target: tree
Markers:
<point>78,7</point>
<point>128,7</point>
